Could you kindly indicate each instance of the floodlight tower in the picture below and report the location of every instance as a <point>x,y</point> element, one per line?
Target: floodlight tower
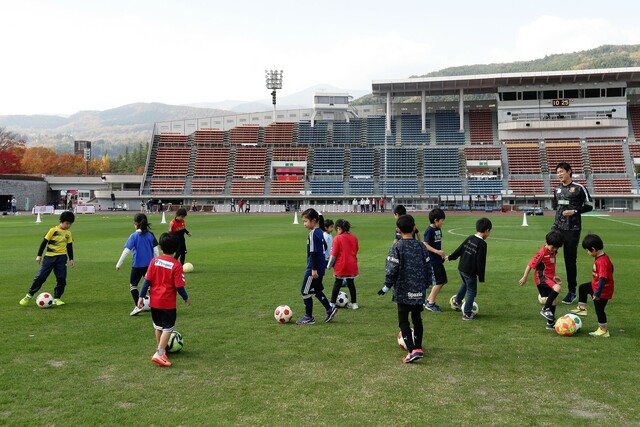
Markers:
<point>274,82</point>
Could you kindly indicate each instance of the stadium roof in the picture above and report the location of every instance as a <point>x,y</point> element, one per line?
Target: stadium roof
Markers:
<point>489,83</point>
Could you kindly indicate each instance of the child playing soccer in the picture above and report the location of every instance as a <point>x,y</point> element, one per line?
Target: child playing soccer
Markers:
<point>178,226</point>
<point>433,243</point>
<point>600,288</point>
<point>408,271</point>
<point>328,237</point>
<point>164,278</point>
<point>58,243</point>
<point>316,264</point>
<point>344,260</point>
<point>144,246</point>
<point>548,284</point>
<point>473,258</point>
<point>398,211</point>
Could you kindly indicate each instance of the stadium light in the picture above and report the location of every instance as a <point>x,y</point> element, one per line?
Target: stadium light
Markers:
<point>274,81</point>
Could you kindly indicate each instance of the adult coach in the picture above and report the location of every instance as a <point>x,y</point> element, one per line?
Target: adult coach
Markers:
<point>570,200</point>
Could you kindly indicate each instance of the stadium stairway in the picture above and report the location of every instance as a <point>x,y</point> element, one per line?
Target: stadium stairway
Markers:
<point>628,164</point>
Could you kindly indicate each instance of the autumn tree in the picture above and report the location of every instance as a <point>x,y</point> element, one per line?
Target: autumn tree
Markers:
<point>68,164</point>
<point>12,148</point>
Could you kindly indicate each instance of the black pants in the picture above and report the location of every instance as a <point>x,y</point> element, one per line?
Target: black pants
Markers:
<point>337,284</point>
<point>181,252</point>
<point>571,240</point>
<point>414,341</point>
<point>586,289</point>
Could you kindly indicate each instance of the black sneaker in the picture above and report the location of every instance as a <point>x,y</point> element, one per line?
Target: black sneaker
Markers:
<point>330,314</point>
<point>550,326</point>
<point>547,314</point>
<point>569,299</point>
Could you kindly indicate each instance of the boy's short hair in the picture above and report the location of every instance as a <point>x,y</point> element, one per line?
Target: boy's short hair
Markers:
<point>168,242</point>
<point>554,238</point>
<point>436,214</point>
<point>592,241</point>
<point>67,216</point>
<point>483,224</point>
<point>181,212</point>
<point>400,210</point>
<point>406,224</point>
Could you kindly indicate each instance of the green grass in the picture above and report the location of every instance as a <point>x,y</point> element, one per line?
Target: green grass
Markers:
<point>88,362</point>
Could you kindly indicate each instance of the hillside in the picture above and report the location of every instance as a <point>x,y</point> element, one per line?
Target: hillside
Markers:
<point>110,130</point>
<point>607,56</point>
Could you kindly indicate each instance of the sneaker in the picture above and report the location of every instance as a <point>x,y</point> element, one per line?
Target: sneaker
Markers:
<point>547,314</point>
<point>600,333</point>
<point>58,301</point>
<point>466,316</point>
<point>306,320</point>
<point>580,311</point>
<point>353,306</point>
<point>25,301</point>
<point>550,326</point>
<point>570,298</point>
<point>136,311</point>
<point>413,356</point>
<point>455,304</point>
<point>418,353</point>
<point>330,314</point>
<point>432,307</point>
<point>161,360</point>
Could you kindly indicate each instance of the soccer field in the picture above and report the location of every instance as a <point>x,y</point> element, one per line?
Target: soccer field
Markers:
<point>88,362</point>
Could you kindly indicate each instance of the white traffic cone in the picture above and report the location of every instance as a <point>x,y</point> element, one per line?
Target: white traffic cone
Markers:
<point>295,217</point>
<point>164,221</point>
<point>524,220</point>
<point>38,219</point>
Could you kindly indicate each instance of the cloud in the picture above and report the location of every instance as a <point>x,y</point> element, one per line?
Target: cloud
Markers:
<point>548,34</point>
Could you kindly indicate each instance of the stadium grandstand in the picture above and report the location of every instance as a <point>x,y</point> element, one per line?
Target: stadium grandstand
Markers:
<point>495,145</point>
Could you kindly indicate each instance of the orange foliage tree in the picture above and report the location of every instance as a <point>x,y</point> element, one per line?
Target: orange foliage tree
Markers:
<point>42,160</point>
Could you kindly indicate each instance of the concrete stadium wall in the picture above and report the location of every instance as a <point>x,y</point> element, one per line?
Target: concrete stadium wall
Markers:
<point>28,192</point>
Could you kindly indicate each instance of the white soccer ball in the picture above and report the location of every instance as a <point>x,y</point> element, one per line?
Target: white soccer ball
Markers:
<point>146,306</point>
<point>474,309</point>
<point>542,300</point>
<point>576,319</point>
<point>187,267</point>
<point>45,300</point>
<point>342,300</point>
<point>283,313</point>
<point>401,342</point>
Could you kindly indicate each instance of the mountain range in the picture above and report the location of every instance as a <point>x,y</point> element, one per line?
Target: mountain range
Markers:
<point>133,123</point>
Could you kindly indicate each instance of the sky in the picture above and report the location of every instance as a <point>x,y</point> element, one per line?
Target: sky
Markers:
<point>65,56</point>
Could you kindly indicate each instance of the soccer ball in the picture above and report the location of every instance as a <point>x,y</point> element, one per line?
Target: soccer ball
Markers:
<point>453,307</point>
<point>44,300</point>
<point>474,308</point>
<point>187,267</point>
<point>565,326</point>
<point>283,313</point>
<point>146,306</point>
<point>401,342</point>
<point>576,319</point>
<point>342,300</point>
<point>542,300</point>
<point>175,343</point>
